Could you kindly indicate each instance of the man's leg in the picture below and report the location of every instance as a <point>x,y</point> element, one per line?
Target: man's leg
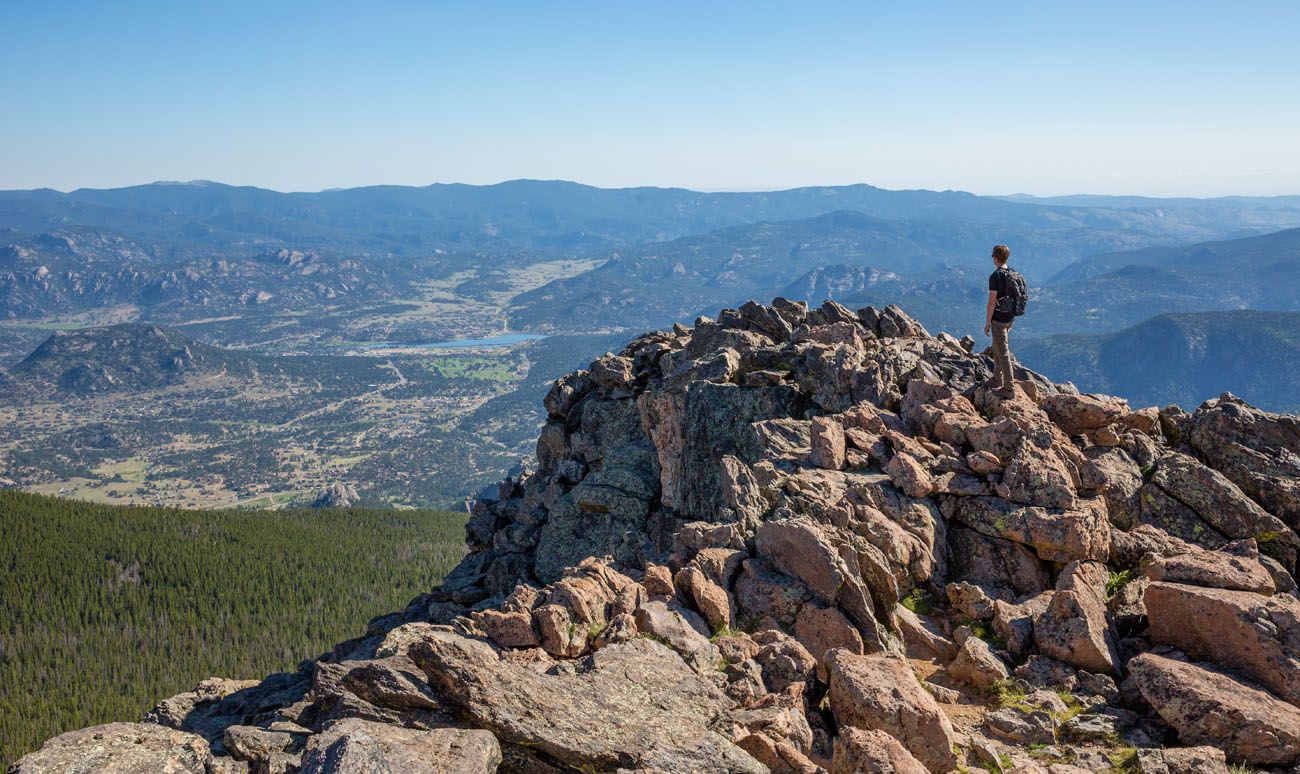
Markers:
<point>1002,357</point>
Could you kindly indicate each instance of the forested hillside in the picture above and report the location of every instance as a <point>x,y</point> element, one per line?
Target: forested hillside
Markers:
<point>1182,358</point>
<point>105,609</point>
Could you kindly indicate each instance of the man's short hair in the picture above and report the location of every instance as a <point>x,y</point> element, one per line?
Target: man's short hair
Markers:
<point>1001,252</point>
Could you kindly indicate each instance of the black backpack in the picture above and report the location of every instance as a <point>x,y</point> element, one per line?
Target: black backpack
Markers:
<point>1015,293</point>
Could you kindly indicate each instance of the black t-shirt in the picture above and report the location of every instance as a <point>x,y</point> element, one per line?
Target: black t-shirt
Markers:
<point>998,282</point>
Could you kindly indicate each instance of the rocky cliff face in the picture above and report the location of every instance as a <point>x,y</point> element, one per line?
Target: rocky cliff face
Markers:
<point>810,540</point>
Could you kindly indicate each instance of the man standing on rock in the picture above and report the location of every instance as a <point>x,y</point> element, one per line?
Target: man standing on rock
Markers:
<point>1007,298</point>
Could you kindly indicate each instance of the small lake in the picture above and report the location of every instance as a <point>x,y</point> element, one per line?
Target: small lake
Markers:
<point>503,340</point>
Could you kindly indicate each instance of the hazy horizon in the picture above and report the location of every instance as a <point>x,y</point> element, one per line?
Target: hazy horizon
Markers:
<point>995,194</point>
<point>1162,99</point>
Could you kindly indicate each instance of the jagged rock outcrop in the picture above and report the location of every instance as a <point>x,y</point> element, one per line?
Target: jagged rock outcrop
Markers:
<point>120,748</point>
<point>1252,634</point>
<point>634,705</point>
<point>881,692</point>
<point>1208,706</point>
<point>806,540</point>
<point>353,746</point>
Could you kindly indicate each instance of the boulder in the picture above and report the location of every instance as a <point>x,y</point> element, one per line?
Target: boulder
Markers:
<point>778,755</point>
<point>1076,414</point>
<point>1022,727</point>
<point>1208,706</point>
<point>1055,535</point>
<point>386,690</point>
<point>654,712</point>
<point>894,322</point>
<point>1224,506</point>
<point>215,703</point>
<point>736,647</point>
<point>620,628</point>
<point>604,515</point>
<point>1117,477</point>
<point>993,562</point>
<point>509,629</point>
<point>1038,476</point>
<point>693,429</point>
<point>560,636</point>
<point>613,375</point>
<point>710,599</point>
<point>882,692</point>
<point>1128,549</point>
<point>681,629</point>
<point>744,680</point>
<point>784,661</point>
<point>803,550</point>
<point>779,716</point>
<point>1094,727</point>
<point>983,462</point>
<point>658,581</point>
<point>1235,566</point>
<point>770,320</point>
<point>820,629</point>
<point>860,750</point>
<point>923,635</point>
<point>1182,760</point>
<point>353,746</point>
<point>764,594</point>
<point>719,565</point>
<point>565,394</point>
<point>253,744</point>
<point>909,476</point>
<point>119,748</point>
<point>827,443</point>
<point>1074,627</point>
<point>1014,622</point>
<point>1128,610</point>
<point>977,665</point>
<point>1251,634</point>
<point>970,600</point>
<point>1167,513</point>
<point>1256,450</point>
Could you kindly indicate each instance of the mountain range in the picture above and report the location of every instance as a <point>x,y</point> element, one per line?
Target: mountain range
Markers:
<point>133,358</point>
<point>859,260</point>
<point>558,214</point>
<point>628,258</point>
<point>1182,358</point>
<point>262,275</point>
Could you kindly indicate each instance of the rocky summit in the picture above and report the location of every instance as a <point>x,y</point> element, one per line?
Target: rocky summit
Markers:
<point>811,540</point>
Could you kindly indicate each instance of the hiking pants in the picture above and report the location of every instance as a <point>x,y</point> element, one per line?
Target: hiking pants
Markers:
<point>1002,356</point>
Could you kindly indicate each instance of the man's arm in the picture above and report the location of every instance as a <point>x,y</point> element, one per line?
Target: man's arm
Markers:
<point>988,313</point>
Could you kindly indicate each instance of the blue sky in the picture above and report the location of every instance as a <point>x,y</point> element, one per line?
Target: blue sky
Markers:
<point>1176,98</point>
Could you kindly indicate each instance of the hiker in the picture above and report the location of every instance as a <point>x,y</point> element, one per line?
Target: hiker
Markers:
<point>1008,296</point>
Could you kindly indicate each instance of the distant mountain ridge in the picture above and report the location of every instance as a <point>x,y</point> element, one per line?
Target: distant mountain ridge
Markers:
<point>534,214</point>
<point>1182,358</point>
<point>175,252</point>
<point>131,357</point>
<point>1113,291</point>
<point>1253,253</point>
<point>659,283</point>
<point>122,357</point>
